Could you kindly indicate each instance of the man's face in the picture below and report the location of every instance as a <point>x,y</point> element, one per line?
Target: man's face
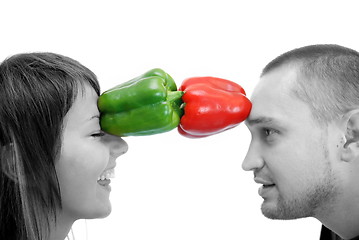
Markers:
<point>290,154</point>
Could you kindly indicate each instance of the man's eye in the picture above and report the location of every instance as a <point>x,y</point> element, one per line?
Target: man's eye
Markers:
<point>268,132</point>
<point>98,134</point>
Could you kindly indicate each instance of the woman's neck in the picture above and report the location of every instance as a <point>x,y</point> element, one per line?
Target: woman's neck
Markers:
<point>61,228</point>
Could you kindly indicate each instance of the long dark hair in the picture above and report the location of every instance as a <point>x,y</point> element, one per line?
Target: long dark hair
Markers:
<point>36,92</point>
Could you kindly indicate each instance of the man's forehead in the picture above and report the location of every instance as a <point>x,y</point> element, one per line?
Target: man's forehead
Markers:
<point>279,80</point>
<point>273,99</point>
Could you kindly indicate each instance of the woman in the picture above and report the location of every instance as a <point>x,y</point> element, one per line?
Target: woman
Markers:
<point>55,162</point>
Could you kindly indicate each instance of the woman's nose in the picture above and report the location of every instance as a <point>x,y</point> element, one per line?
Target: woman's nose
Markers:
<point>117,145</point>
<point>253,159</point>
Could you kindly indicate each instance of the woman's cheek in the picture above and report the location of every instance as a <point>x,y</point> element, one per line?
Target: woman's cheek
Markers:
<point>98,157</point>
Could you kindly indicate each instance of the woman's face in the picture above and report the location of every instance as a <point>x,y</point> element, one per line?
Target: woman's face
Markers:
<point>87,160</point>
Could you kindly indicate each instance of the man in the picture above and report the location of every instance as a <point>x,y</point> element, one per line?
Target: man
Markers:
<point>305,138</point>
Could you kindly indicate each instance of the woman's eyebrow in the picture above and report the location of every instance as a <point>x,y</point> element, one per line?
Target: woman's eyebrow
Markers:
<point>96,116</point>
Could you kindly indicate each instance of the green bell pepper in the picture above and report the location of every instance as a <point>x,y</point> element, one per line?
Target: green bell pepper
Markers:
<point>146,105</point>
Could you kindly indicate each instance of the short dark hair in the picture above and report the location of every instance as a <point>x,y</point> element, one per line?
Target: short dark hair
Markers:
<point>328,78</point>
<point>36,92</point>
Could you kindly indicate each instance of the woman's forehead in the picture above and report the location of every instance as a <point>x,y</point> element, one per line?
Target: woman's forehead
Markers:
<point>84,108</point>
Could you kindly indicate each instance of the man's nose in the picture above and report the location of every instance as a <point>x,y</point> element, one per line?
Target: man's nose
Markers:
<point>253,159</point>
<point>117,145</point>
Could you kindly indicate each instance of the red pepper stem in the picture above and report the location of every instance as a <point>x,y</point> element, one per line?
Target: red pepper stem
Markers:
<point>174,95</point>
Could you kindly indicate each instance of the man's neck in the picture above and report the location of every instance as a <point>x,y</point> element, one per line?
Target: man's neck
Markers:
<point>343,219</point>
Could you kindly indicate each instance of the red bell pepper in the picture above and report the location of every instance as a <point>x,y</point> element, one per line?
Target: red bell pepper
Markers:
<point>212,105</point>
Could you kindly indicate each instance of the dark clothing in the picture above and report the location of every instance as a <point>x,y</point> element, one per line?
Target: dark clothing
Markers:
<point>327,234</point>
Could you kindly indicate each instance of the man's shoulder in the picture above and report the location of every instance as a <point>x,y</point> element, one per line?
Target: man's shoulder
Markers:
<point>327,234</point>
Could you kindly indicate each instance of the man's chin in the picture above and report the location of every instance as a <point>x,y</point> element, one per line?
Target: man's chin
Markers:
<point>271,213</point>
<point>281,211</point>
<point>275,215</point>
<point>270,210</point>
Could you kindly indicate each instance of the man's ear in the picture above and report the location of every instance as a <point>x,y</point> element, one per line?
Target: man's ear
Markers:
<point>351,140</point>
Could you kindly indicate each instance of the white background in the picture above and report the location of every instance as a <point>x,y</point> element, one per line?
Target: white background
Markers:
<point>168,187</point>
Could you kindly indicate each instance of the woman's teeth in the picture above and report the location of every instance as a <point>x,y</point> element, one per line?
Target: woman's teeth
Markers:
<point>107,174</point>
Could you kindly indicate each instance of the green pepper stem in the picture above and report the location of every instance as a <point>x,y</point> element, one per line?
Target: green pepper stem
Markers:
<point>174,95</point>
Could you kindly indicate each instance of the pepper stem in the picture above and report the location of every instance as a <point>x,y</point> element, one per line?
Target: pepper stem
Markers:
<point>174,95</point>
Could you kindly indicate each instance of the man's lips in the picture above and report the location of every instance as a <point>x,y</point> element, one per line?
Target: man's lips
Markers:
<point>267,186</point>
<point>263,181</point>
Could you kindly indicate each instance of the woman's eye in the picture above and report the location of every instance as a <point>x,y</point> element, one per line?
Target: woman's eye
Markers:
<point>98,134</point>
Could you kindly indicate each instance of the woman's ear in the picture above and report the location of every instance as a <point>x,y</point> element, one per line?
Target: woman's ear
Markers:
<point>351,140</point>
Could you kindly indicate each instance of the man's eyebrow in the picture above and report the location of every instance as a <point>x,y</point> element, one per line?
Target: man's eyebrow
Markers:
<point>259,120</point>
